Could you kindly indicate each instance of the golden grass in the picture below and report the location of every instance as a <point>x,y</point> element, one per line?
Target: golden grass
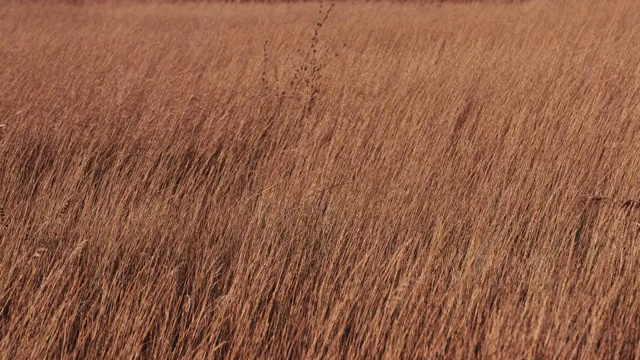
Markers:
<point>161,200</point>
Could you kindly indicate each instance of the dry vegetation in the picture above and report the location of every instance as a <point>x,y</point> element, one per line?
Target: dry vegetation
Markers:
<point>452,183</point>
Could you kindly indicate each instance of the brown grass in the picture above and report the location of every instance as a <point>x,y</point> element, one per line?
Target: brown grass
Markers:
<point>439,199</point>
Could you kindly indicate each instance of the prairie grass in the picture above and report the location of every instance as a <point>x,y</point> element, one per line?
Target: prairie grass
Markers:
<point>156,202</point>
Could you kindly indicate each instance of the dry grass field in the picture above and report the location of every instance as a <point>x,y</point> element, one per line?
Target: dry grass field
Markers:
<point>404,180</point>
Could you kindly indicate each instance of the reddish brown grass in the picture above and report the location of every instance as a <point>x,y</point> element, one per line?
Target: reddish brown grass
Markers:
<point>158,203</point>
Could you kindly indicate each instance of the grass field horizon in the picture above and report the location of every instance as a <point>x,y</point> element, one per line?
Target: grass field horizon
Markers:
<point>296,180</point>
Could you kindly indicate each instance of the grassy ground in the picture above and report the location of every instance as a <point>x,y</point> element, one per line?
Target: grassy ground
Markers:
<point>414,181</point>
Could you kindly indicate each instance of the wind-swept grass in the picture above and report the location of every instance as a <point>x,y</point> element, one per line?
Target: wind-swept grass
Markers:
<point>459,187</point>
